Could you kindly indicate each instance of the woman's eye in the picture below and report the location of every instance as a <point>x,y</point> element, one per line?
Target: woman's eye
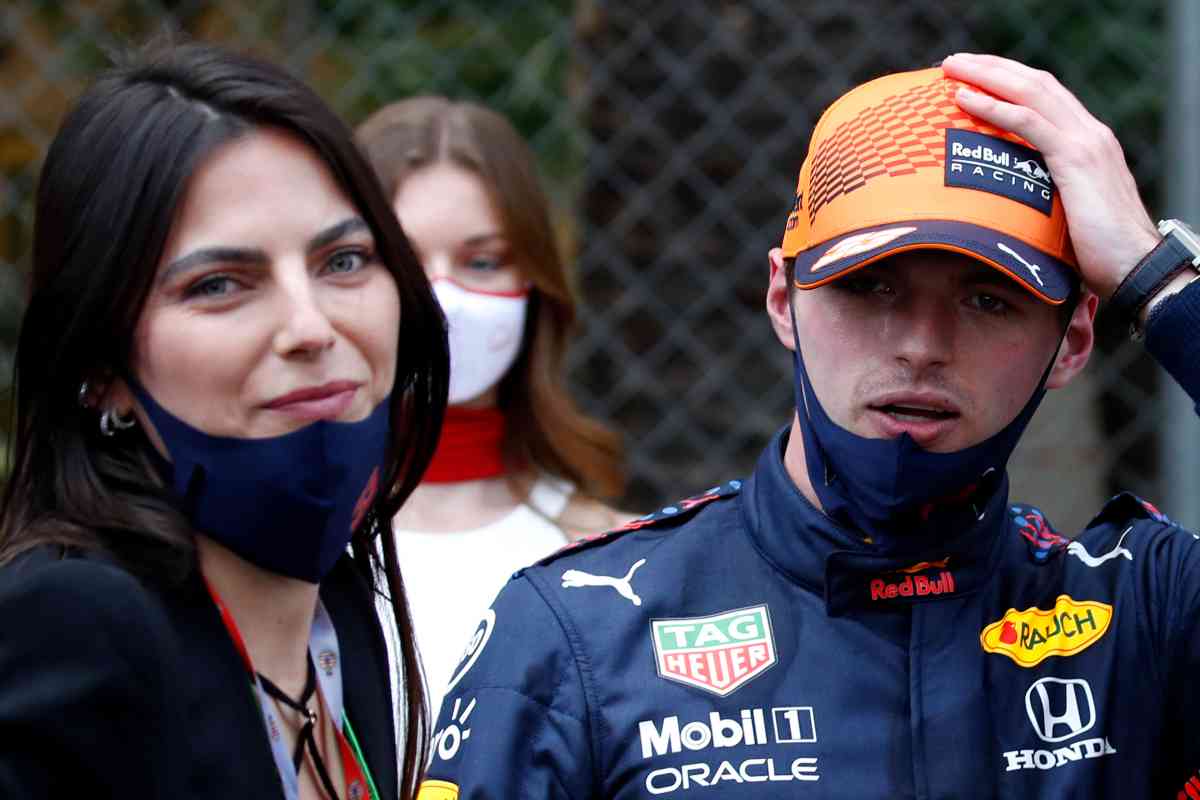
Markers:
<point>212,286</point>
<point>484,263</point>
<point>346,261</point>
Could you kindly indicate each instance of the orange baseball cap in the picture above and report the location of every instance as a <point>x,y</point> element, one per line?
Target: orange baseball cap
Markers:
<point>896,165</point>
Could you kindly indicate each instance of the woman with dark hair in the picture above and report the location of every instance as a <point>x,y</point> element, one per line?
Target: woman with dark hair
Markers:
<point>230,369</point>
<point>519,467</point>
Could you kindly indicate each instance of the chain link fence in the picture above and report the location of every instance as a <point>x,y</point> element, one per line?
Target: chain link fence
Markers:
<point>670,134</point>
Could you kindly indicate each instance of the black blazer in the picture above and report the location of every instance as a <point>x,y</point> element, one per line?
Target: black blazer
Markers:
<point>111,688</point>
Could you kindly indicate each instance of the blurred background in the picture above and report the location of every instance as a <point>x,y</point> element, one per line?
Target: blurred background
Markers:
<point>670,134</point>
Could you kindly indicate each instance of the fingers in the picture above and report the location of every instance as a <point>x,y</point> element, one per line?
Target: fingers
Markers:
<point>1019,84</point>
<point>1034,105</point>
<point>1109,226</point>
<point>1020,119</point>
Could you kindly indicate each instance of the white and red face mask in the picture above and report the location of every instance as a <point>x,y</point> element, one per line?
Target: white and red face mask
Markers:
<point>485,330</point>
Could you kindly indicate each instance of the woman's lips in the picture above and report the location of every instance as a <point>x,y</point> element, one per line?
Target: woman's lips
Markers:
<point>329,401</point>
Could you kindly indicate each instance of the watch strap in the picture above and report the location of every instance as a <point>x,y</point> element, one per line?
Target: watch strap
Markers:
<point>1156,269</point>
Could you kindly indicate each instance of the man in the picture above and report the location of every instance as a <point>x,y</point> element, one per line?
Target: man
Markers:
<point>868,615</point>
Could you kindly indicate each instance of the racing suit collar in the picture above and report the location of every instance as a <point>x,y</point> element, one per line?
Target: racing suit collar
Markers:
<point>834,561</point>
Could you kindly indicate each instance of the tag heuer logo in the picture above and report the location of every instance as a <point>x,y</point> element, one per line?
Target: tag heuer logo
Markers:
<point>719,654</point>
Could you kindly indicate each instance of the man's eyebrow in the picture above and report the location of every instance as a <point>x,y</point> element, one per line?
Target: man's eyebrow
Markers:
<point>988,276</point>
<point>254,256</point>
<point>335,232</point>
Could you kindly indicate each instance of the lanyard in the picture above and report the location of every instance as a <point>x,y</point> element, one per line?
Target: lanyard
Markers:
<point>326,657</point>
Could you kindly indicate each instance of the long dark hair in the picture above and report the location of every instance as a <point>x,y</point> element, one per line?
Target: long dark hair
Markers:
<point>546,429</point>
<point>109,190</point>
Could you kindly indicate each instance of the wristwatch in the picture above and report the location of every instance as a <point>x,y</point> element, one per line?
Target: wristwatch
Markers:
<point>1178,250</point>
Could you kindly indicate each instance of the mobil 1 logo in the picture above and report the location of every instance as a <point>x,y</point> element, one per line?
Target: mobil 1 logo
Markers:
<point>995,165</point>
<point>743,747</point>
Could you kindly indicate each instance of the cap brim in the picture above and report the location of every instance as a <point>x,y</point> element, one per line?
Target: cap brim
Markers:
<point>1042,275</point>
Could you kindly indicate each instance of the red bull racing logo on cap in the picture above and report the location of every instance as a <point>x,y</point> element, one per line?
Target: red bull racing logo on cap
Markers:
<point>719,653</point>
<point>995,165</point>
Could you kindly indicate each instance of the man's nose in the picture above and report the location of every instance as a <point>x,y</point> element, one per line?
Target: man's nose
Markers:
<point>923,335</point>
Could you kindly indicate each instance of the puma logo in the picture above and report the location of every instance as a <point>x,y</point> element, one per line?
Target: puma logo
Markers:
<point>574,578</point>
<point>1034,269</point>
<point>1079,551</point>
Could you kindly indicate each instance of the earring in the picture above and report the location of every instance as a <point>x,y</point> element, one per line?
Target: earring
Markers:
<point>111,422</point>
<point>83,395</point>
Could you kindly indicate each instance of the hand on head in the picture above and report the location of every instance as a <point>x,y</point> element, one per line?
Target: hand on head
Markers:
<point>1110,228</point>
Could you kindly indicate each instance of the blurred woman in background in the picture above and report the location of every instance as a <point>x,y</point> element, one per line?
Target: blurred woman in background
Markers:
<point>231,369</point>
<point>519,468</point>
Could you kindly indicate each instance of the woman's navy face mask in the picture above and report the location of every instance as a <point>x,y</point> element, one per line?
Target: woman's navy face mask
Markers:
<point>288,504</point>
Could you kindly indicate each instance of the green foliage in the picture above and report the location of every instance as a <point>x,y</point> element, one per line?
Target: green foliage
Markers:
<point>1110,53</point>
<point>512,56</point>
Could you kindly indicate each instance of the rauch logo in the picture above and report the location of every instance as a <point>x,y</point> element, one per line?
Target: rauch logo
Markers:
<point>1031,636</point>
<point>719,653</point>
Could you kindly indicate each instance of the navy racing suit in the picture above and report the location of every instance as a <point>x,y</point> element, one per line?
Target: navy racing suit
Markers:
<point>741,644</point>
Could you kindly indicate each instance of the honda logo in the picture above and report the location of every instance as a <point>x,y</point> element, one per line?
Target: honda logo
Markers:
<point>1060,708</point>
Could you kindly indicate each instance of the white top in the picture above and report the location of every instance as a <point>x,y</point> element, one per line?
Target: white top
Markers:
<point>451,577</point>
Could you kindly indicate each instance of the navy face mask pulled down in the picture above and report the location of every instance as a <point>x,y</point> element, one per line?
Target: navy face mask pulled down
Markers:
<point>880,486</point>
<point>288,504</point>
